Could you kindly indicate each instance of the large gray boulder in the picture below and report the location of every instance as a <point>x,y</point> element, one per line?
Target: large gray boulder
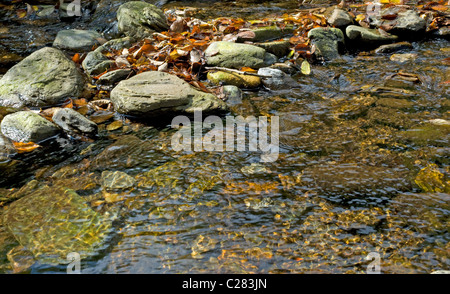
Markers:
<point>237,55</point>
<point>77,40</point>
<point>327,42</point>
<point>140,20</point>
<point>46,77</point>
<point>27,126</point>
<point>155,93</point>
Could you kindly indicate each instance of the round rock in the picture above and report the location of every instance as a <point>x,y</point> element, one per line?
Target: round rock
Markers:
<point>27,126</point>
<point>77,40</point>
<point>156,93</point>
<point>46,77</point>
<point>140,20</point>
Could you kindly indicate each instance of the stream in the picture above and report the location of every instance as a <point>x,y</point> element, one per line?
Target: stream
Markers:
<point>353,140</point>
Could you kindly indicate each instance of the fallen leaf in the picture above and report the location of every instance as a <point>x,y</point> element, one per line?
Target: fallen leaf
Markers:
<point>305,68</point>
<point>76,58</point>
<point>248,69</point>
<point>440,8</point>
<point>101,116</point>
<point>25,147</point>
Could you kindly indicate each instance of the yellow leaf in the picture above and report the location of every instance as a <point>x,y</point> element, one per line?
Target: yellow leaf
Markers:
<point>360,17</point>
<point>305,68</point>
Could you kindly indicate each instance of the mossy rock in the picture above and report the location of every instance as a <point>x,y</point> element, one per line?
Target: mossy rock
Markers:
<point>27,126</point>
<point>271,32</point>
<point>237,55</point>
<point>46,77</point>
<point>328,42</point>
<point>53,222</point>
<point>140,20</point>
<point>278,48</point>
<point>234,79</point>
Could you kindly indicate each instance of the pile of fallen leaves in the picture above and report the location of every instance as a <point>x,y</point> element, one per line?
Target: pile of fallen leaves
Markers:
<point>179,50</point>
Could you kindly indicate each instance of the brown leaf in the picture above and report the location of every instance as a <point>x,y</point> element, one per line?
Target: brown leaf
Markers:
<point>101,116</point>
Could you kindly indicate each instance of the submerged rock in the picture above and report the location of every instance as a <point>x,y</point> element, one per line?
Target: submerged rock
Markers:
<point>117,180</point>
<point>361,183</point>
<point>154,93</point>
<point>236,55</point>
<point>402,58</point>
<point>431,179</point>
<point>140,20</point>
<point>53,222</point>
<point>423,213</point>
<point>27,126</point>
<point>127,151</point>
<point>427,134</point>
<point>278,79</point>
<point>74,122</point>
<point>389,48</point>
<point>327,42</point>
<point>77,40</point>
<point>174,179</point>
<point>232,94</point>
<point>44,78</point>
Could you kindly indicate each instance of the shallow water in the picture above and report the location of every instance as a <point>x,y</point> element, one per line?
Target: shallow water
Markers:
<point>342,187</point>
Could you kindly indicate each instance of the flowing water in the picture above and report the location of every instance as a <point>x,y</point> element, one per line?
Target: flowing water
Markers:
<point>354,140</point>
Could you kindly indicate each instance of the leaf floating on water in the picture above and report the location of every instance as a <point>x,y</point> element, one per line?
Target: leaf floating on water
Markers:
<point>25,147</point>
<point>305,68</point>
<point>101,116</point>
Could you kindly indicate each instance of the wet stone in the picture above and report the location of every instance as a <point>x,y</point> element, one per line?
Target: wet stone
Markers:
<point>389,48</point>
<point>74,122</point>
<point>27,126</point>
<point>53,222</point>
<point>327,41</point>
<point>77,40</point>
<point>427,134</point>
